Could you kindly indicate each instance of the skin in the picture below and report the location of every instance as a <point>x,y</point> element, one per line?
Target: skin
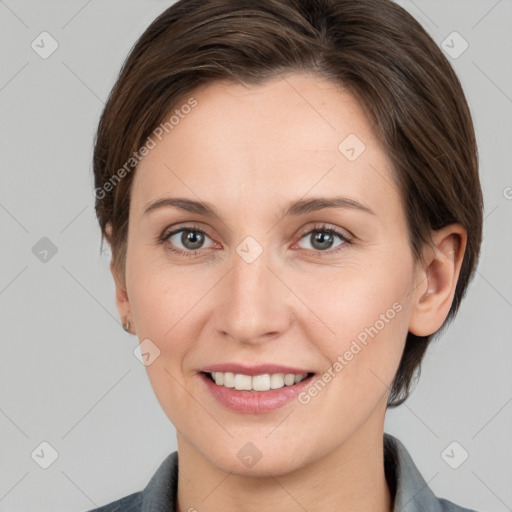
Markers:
<point>249,151</point>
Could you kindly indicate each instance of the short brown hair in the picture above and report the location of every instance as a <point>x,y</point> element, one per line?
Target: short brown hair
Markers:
<point>373,48</point>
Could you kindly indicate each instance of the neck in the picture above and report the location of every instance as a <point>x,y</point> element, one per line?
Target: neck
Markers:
<point>349,478</point>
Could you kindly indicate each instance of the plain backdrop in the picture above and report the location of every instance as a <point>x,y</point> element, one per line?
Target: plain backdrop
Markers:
<point>68,373</point>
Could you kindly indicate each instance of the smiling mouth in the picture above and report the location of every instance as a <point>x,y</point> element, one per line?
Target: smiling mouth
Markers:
<point>264,382</point>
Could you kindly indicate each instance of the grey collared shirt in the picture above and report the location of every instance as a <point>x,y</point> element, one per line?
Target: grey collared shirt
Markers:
<point>411,492</point>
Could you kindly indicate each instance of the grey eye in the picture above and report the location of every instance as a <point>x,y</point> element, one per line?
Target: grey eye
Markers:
<point>191,239</point>
<point>322,240</point>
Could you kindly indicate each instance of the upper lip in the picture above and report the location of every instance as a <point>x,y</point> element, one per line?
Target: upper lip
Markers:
<point>259,369</point>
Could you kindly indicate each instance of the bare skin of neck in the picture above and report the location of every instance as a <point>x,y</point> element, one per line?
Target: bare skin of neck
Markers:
<point>350,478</point>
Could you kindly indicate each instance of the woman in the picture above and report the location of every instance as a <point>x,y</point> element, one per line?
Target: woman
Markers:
<point>290,191</point>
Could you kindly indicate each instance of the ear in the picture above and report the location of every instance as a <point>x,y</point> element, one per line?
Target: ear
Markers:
<point>122,300</point>
<point>437,281</point>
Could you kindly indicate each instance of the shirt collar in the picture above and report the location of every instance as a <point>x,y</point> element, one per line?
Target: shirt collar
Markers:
<point>410,490</point>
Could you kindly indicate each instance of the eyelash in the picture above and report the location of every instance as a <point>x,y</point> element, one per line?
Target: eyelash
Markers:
<point>323,228</point>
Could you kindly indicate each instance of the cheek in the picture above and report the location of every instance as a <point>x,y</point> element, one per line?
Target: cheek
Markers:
<point>161,295</point>
<point>352,299</point>
<point>165,302</point>
<point>366,308</point>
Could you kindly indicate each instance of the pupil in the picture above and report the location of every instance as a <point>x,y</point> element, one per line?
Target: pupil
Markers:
<point>192,239</point>
<point>322,240</point>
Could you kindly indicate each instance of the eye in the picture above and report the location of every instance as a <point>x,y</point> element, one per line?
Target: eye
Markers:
<point>189,240</point>
<point>323,237</point>
<point>186,240</point>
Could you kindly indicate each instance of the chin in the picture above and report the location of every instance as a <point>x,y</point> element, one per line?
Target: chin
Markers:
<point>246,459</point>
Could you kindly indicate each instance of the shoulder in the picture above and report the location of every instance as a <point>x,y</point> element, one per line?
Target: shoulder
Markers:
<point>411,491</point>
<point>159,494</point>
<point>448,506</point>
<point>130,503</point>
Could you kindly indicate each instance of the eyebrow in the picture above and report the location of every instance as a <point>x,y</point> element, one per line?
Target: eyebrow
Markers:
<point>295,208</point>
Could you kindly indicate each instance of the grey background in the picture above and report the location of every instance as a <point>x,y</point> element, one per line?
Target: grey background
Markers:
<point>68,373</point>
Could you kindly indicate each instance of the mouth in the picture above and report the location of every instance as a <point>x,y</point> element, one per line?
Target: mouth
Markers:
<point>256,383</point>
<point>254,388</point>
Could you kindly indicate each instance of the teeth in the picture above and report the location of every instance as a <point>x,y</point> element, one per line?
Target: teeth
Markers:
<point>229,379</point>
<point>276,380</point>
<point>289,379</point>
<point>263,382</point>
<point>242,382</point>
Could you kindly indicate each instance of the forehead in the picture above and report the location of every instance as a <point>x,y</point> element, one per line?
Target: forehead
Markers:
<point>268,143</point>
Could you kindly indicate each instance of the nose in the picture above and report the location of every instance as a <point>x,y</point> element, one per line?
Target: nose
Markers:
<point>253,304</point>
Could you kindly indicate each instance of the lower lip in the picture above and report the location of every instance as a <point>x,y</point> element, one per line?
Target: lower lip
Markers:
<point>254,402</point>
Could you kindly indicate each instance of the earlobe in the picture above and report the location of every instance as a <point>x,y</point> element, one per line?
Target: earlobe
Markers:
<point>122,299</point>
<point>437,281</point>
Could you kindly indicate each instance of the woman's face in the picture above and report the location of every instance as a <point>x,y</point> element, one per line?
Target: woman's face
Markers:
<point>256,285</point>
